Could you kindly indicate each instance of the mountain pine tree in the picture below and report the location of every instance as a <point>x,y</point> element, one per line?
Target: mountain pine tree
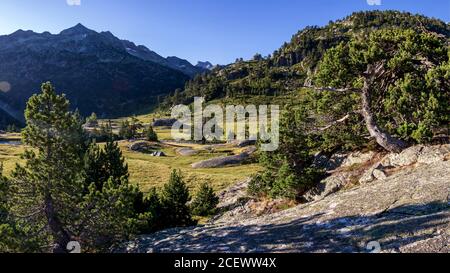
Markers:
<point>402,79</point>
<point>92,120</point>
<point>66,192</point>
<point>150,134</point>
<point>205,201</point>
<point>174,199</point>
<point>5,227</point>
<point>288,171</point>
<point>111,205</point>
<point>46,191</point>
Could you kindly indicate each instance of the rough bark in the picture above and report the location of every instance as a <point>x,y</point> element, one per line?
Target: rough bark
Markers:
<point>60,235</point>
<point>383,138</point>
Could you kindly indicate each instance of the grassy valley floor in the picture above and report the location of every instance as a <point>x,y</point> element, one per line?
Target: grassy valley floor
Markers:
<point>148,171</point>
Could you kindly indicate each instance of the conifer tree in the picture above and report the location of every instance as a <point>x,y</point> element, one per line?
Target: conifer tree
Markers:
<point>150,134</point>
<point>111,206</point>
<point>205,201</point>
<point>174,199</point>
<point>66,192</point>
<point>400,76</point>
<point>92,120</point>
<point>5,228</point>
<point>46,191</point>
<point>114,162</point>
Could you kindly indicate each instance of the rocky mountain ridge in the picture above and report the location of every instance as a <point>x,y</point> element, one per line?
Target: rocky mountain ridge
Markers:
<point>96,70</point>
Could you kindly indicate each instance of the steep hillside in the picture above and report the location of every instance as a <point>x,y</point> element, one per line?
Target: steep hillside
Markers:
<point>288,67</point>
<point>98,72</point>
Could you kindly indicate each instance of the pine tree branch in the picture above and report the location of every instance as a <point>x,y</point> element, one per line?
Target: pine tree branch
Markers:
<point>346,117</point>
<point>331,89</point>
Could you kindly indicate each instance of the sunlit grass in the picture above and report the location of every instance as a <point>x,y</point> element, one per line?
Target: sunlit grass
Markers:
<point>148,171</point>
<point>9,156</point>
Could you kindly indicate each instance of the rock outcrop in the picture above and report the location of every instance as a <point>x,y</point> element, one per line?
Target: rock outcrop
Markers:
<point>164,122</point>
<point>225,160</point>
<point>406,211</point>
<point>186,151</point>
<point>408,158</point>
<point>143,147</point>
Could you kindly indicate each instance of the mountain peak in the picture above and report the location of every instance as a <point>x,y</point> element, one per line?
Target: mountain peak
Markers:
<point>80,26</point>
<point>205,65</point>
<point>21,33</point>
<point>77,29</point>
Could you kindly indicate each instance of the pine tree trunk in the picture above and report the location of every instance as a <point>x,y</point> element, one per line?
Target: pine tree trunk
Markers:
<point>60,237</point>
<point>383,138</point>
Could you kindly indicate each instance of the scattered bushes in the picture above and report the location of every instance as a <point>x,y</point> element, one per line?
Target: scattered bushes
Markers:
<point>129,129</point>
<point>92,120</point>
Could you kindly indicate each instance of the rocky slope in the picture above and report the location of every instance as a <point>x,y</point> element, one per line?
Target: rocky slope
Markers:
<point>405,210</point>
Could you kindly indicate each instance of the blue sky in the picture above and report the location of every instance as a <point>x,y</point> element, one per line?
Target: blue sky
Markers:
<point>215,30</point>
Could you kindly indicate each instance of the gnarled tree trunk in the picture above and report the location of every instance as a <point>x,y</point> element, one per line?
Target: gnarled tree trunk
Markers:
<point>60,235</point>
<point>383,138</point>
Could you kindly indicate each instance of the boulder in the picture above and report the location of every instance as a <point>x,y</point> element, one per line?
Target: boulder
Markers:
<point>225,160</point>
<point>406,157</point>
<point>358,158</point>
<point>243,143</point>
<point>164,122</point>
<point>326,187</point>
<point>429,155</point>
<point>338,160</point>
<point>143,147</point>
<point>186,151</point>
<point>220,161</point>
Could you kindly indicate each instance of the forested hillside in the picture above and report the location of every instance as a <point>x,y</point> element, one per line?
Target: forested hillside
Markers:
<point>289,67</point>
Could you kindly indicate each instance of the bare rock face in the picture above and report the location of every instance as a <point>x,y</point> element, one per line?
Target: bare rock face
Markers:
<point>407,211</point>
<point>326,187</point>
<point>339,180</point>
<point>417,155</point>
<point>343,160</point>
